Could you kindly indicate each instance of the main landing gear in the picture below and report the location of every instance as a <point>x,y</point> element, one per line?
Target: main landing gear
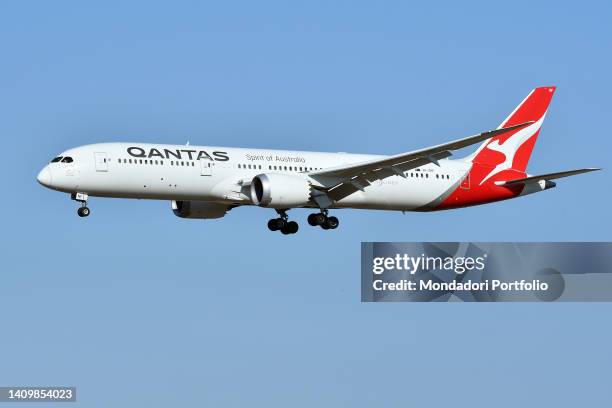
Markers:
<point>287,227</point>
<point>321,219</point>
<point>283,224</point>
<point>83,211</point>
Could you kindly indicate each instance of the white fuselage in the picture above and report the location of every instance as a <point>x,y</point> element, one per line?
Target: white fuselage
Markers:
<point>222,174</point>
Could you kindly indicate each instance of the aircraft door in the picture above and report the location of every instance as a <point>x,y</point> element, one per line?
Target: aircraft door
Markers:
<point>101,161</point>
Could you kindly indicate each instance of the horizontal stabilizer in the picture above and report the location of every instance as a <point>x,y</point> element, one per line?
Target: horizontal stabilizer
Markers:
<point>550,176</point>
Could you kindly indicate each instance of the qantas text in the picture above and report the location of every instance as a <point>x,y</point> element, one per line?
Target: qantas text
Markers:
<point>178,154</point>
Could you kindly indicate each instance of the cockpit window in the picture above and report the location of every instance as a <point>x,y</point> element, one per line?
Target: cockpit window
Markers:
<point>67,159</point>
<point>56,159</point>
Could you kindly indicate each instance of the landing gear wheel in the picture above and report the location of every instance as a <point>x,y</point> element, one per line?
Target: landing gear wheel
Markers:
<point>293,227</point>
<point>316,219</point>
<point>290,228</point>
<point>272,226</point>
<point>83,212</point>
<point>276,224</point>
<point>332,222</point>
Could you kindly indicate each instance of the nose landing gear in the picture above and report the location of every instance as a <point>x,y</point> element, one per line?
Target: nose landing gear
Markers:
<point>321,219</point>
<point>83,211</point>
<point>283,224</point>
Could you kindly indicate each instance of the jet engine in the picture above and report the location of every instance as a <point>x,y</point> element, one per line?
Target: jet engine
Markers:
<point>280,190</point>
<point>198,209</point>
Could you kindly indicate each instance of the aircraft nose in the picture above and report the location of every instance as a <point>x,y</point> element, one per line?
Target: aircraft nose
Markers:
<point>44,177</point>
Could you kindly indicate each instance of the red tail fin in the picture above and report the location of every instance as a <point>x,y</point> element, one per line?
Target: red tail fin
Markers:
<point>512,150</point>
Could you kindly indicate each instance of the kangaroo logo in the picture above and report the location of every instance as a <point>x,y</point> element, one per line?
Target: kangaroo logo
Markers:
<point>510,146</point>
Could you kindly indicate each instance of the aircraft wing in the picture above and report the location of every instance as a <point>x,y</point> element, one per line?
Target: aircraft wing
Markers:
<point>550,176</point>
<point>342,181</point>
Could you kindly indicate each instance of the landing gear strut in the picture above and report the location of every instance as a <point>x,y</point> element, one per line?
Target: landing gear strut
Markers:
<point>321,219</point>
<point>83,211</point>
<point>283,224</point>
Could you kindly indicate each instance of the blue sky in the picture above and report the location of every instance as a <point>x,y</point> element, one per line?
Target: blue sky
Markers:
<point>137,307</point>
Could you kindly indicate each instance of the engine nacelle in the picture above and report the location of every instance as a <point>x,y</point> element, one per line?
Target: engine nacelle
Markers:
<point>198,209</point>
<point>279,190</point>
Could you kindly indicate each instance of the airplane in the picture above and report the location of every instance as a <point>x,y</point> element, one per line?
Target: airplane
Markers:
<point>204,182</point>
